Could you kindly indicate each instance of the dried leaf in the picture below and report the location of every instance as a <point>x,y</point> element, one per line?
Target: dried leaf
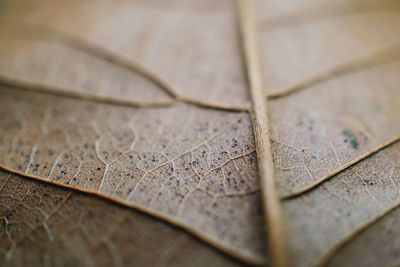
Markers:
<point>47,225</point>
<point>348,113</point>
<point>178,41</point>
<point>305,38</point>
<point>162,123</point>
<point>378,242</point>
<point>189,165</point>
<point>187,161</point>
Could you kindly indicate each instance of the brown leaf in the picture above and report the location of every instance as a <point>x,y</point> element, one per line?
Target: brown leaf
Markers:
<point>76,111</point>
<point>47,225</point>
<point>348,113</point>
<point>332,214</point>
<point>308,37</point>
<point>188,165</point>
<point>187,161</point>
<point>178,41</point>
<point>377,242</point>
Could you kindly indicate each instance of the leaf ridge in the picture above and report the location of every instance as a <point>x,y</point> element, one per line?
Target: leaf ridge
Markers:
<point>391,141</point>
<point>323,12</point>
<point>328,256</point>
<point>80,43</point>
<point>270,199</point>
<point>214,242</point>
<point>171,219</point>
<point>43,88</point>
<point>66,92</point>
<point>380,56</point>
<point>75,41</point>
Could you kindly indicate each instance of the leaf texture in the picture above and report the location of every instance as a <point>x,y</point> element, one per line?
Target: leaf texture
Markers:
<point>47,225</point>
<point>334,106</point>
<point>204,175</point>
<point>187,163</point>
<point>178,40</point>
<point>41,60</point>
<point>312,139</point>
<point>377,242</point>
<point>146,103</point>
<point>341,207</point>
<point>307,37</point>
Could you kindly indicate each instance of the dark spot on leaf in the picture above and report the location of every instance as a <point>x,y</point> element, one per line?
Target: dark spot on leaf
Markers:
<point>350,136</point>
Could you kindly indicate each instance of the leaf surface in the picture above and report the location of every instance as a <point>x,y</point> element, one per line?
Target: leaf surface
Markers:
<point>332,108</point>
<point>375,243</point>
<point>44,224</point>
<point>194,166</point>
<point>177,40</point>
<point>147,104</point>
<point>185,161</point>
<point>305,38</point>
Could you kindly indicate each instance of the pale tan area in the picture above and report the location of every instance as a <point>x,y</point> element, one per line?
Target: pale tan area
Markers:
<point>193,119</point>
